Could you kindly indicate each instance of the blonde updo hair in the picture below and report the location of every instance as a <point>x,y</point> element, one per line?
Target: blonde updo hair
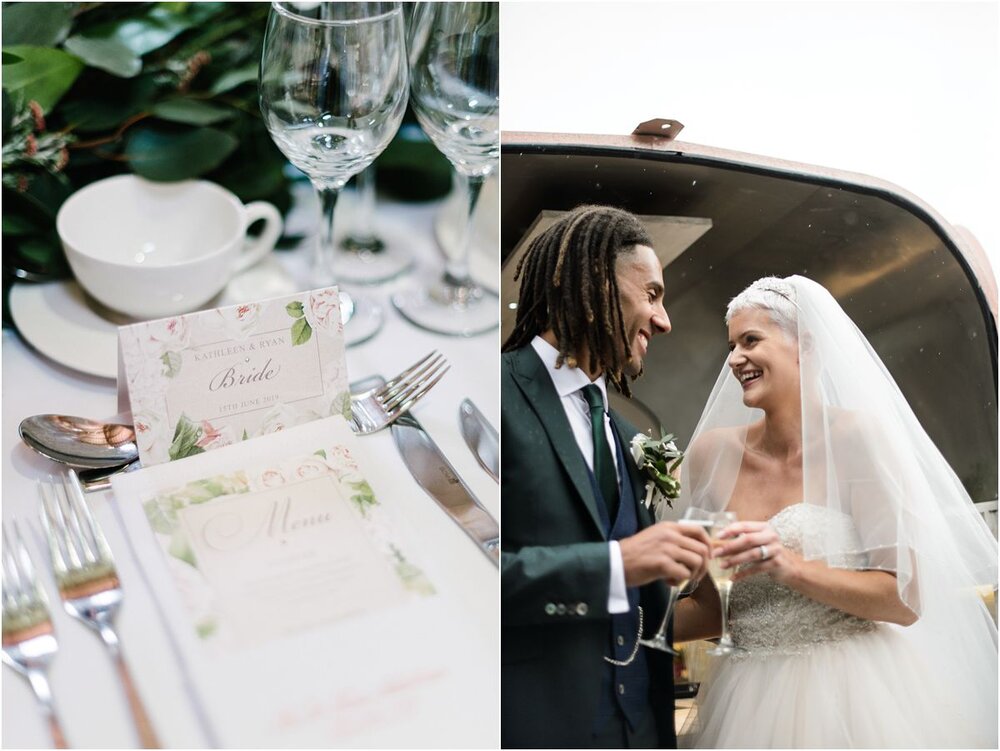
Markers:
<point>774,295</point>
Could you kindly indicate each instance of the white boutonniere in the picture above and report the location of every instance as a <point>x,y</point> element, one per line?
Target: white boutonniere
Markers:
<point>658,460</point>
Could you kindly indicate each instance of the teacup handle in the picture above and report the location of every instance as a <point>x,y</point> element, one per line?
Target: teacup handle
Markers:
<point>254,250</point>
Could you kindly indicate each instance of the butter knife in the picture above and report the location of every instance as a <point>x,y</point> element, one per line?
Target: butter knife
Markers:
<point>480,437</point>
<point>438,478</point>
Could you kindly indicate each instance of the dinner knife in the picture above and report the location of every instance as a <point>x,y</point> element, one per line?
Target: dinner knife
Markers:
<point>438,478</point>
<point>480,437</point>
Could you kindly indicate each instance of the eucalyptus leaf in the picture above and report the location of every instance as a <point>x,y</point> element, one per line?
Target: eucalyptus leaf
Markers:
<point>155,28</point>
<point>16,225</point>
<point>192,112</point>
<point>43,75</point>
<point>102,102</point>
<point>42,24</point>
<point>46,192</point>
<point>234,78</point>
<point>105,54</point>
<point>160,155</point>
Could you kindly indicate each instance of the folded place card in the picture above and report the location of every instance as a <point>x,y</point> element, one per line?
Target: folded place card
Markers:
<point>297,599</point>
<point>216,377</point>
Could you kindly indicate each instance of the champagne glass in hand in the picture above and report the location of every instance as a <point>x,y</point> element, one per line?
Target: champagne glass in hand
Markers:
<point>659,640</point>
<point>723,582</point>
<point>333,90</point>
<point>454,56</point>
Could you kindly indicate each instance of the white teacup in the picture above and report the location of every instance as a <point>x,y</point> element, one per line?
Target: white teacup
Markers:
<point>151,249</point>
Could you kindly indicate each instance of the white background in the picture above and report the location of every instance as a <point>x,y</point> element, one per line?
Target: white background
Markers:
<point>908,92</point>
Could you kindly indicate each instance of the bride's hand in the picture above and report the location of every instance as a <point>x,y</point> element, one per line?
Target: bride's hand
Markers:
<point>757,545</point>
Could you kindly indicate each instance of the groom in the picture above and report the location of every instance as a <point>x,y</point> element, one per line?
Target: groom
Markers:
<point>582,564</point>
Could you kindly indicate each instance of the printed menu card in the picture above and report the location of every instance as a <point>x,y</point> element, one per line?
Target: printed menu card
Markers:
<point>209,379</point>
<point>297,600</point>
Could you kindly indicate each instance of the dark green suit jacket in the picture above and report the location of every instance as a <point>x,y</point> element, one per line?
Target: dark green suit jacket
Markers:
<point>555,572</point>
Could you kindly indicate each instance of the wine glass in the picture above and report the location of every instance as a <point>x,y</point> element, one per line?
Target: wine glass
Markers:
<point>368,258</point>
<point>333,90</point>
<point>659,641</point>
<point>723,582</point>
<point>454,56</point>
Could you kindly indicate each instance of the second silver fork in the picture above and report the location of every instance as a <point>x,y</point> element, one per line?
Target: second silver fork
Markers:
<point>87,579</point>
<point>29,644</point>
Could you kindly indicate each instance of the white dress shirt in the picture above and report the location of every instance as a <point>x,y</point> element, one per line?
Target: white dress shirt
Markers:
<point>568,383</point>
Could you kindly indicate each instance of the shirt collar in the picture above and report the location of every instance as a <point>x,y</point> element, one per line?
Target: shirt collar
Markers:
<point>566,380</point>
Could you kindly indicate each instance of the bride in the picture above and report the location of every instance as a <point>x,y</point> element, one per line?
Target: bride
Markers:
<point>857,555</point>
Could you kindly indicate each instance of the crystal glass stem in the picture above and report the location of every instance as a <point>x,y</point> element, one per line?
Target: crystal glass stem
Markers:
<point>659,640</point>
<point>457,269</point>
<point>363,237</point>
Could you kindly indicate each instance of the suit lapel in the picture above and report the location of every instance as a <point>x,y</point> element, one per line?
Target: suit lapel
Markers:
<point>533,379</point>
<point>633,474</point>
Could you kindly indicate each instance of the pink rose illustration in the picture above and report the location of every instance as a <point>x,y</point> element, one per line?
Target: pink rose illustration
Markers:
<point>323,310</point>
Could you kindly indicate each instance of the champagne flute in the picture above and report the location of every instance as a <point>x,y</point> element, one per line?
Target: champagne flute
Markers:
<point>368,258</point>
<point>723,582</point>
<point>333,90</point>
<point>454,67</point>
<point>703,519</point>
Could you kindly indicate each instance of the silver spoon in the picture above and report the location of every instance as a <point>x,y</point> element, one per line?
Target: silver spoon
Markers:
<point>80,442</point>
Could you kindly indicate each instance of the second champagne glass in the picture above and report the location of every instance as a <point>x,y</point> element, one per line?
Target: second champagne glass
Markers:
<point>333,90</point>
<point>659,640</point>
<point>454,62</point>
<point>723,582</point>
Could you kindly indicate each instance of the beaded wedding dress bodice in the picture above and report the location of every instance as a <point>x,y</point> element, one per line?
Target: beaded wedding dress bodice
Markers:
<point>767,617</point>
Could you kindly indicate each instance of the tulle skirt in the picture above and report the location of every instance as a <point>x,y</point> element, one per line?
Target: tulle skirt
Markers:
<point>873,690</point>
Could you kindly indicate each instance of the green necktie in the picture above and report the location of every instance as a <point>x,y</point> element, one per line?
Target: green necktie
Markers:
<point>604,466</point>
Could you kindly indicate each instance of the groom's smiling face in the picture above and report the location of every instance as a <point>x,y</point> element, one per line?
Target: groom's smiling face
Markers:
<point>640,287</point>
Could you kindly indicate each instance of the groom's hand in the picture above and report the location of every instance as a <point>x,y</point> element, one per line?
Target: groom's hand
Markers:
<point>675,552</point>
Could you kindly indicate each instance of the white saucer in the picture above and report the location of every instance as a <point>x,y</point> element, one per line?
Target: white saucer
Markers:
<point>62,323</point>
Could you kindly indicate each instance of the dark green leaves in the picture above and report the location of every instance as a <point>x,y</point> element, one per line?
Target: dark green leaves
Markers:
<point>105,54</point>
<point>160,155</point>
<point>41,24</point>
<point>44,74</point>
<point>191,112</point>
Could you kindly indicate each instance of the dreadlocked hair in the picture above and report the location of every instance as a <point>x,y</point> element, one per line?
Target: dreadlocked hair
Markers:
<point>569,284</point>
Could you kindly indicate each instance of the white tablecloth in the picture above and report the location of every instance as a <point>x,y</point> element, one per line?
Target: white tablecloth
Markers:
<point>91,703</point>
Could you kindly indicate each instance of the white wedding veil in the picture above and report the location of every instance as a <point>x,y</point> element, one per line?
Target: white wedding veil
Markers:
<point>865,456</point>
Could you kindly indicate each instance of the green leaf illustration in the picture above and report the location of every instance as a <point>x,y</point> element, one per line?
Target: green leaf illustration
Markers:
<point>171,364</point>
<point>321,453</point>
<point>295,309</point>
<point>163,521</point>
<point>301,332</point>
<point>186,437</point>
<point>364,496</point>
<point>180,549</point>
<point>342,405</point>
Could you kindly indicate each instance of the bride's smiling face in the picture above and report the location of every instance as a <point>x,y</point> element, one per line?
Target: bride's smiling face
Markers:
<point>764,358</point>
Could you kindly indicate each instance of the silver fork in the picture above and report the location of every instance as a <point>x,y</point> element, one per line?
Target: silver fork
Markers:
<point>28,640</point>
<point>376,409</point>
<point>87,579</point>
